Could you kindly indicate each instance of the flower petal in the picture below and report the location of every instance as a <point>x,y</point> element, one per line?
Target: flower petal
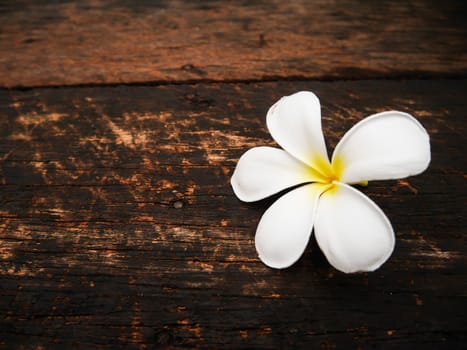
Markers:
<point>352,231</point>
<point>388,145</point>
<point>285,228</point>
<point>264,171</point>
<point>295,123</point>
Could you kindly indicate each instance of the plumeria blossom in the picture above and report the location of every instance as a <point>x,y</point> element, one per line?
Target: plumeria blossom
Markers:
<point>351,230</point>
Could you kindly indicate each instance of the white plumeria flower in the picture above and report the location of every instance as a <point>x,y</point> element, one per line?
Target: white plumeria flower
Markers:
<point>351,230</point>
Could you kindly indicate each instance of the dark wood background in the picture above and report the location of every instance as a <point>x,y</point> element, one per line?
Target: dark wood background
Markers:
<point>120,125</point>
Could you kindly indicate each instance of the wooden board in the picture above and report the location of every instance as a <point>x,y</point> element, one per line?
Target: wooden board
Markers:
<point>44,43</point>
<point>119,229</point>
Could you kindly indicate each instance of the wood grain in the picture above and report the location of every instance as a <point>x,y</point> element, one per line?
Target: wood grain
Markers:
<point>119,229</point>
<point>46,43</point>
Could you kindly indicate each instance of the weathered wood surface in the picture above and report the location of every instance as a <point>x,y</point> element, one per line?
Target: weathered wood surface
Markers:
<point>119,228</point>
<point>123,41</point>
<point>118,225</point>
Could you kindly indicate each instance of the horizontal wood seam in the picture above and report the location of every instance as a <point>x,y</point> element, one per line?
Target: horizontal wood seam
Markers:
<point>273,79</point>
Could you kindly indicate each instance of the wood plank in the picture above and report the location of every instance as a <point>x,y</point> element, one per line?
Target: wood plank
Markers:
<point>107,41</point>
<point>119,229</point>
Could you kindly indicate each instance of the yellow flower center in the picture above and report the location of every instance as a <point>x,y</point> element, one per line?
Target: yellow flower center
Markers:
<point>325,172</point>
<point>328,173</point>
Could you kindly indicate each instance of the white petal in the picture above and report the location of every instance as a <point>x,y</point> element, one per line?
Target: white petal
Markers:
<point>264,171</point>
<point>295,123</point>
<point>285,228</point>
<point>388,145</point>
<point>352,231</point>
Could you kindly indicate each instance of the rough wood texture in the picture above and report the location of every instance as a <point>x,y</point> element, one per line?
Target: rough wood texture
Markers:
<point>119,228</point>
<point>118,225</point>
<point>124,41</point>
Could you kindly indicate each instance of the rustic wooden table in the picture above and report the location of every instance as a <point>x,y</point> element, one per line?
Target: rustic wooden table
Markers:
<point>121,124</point>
